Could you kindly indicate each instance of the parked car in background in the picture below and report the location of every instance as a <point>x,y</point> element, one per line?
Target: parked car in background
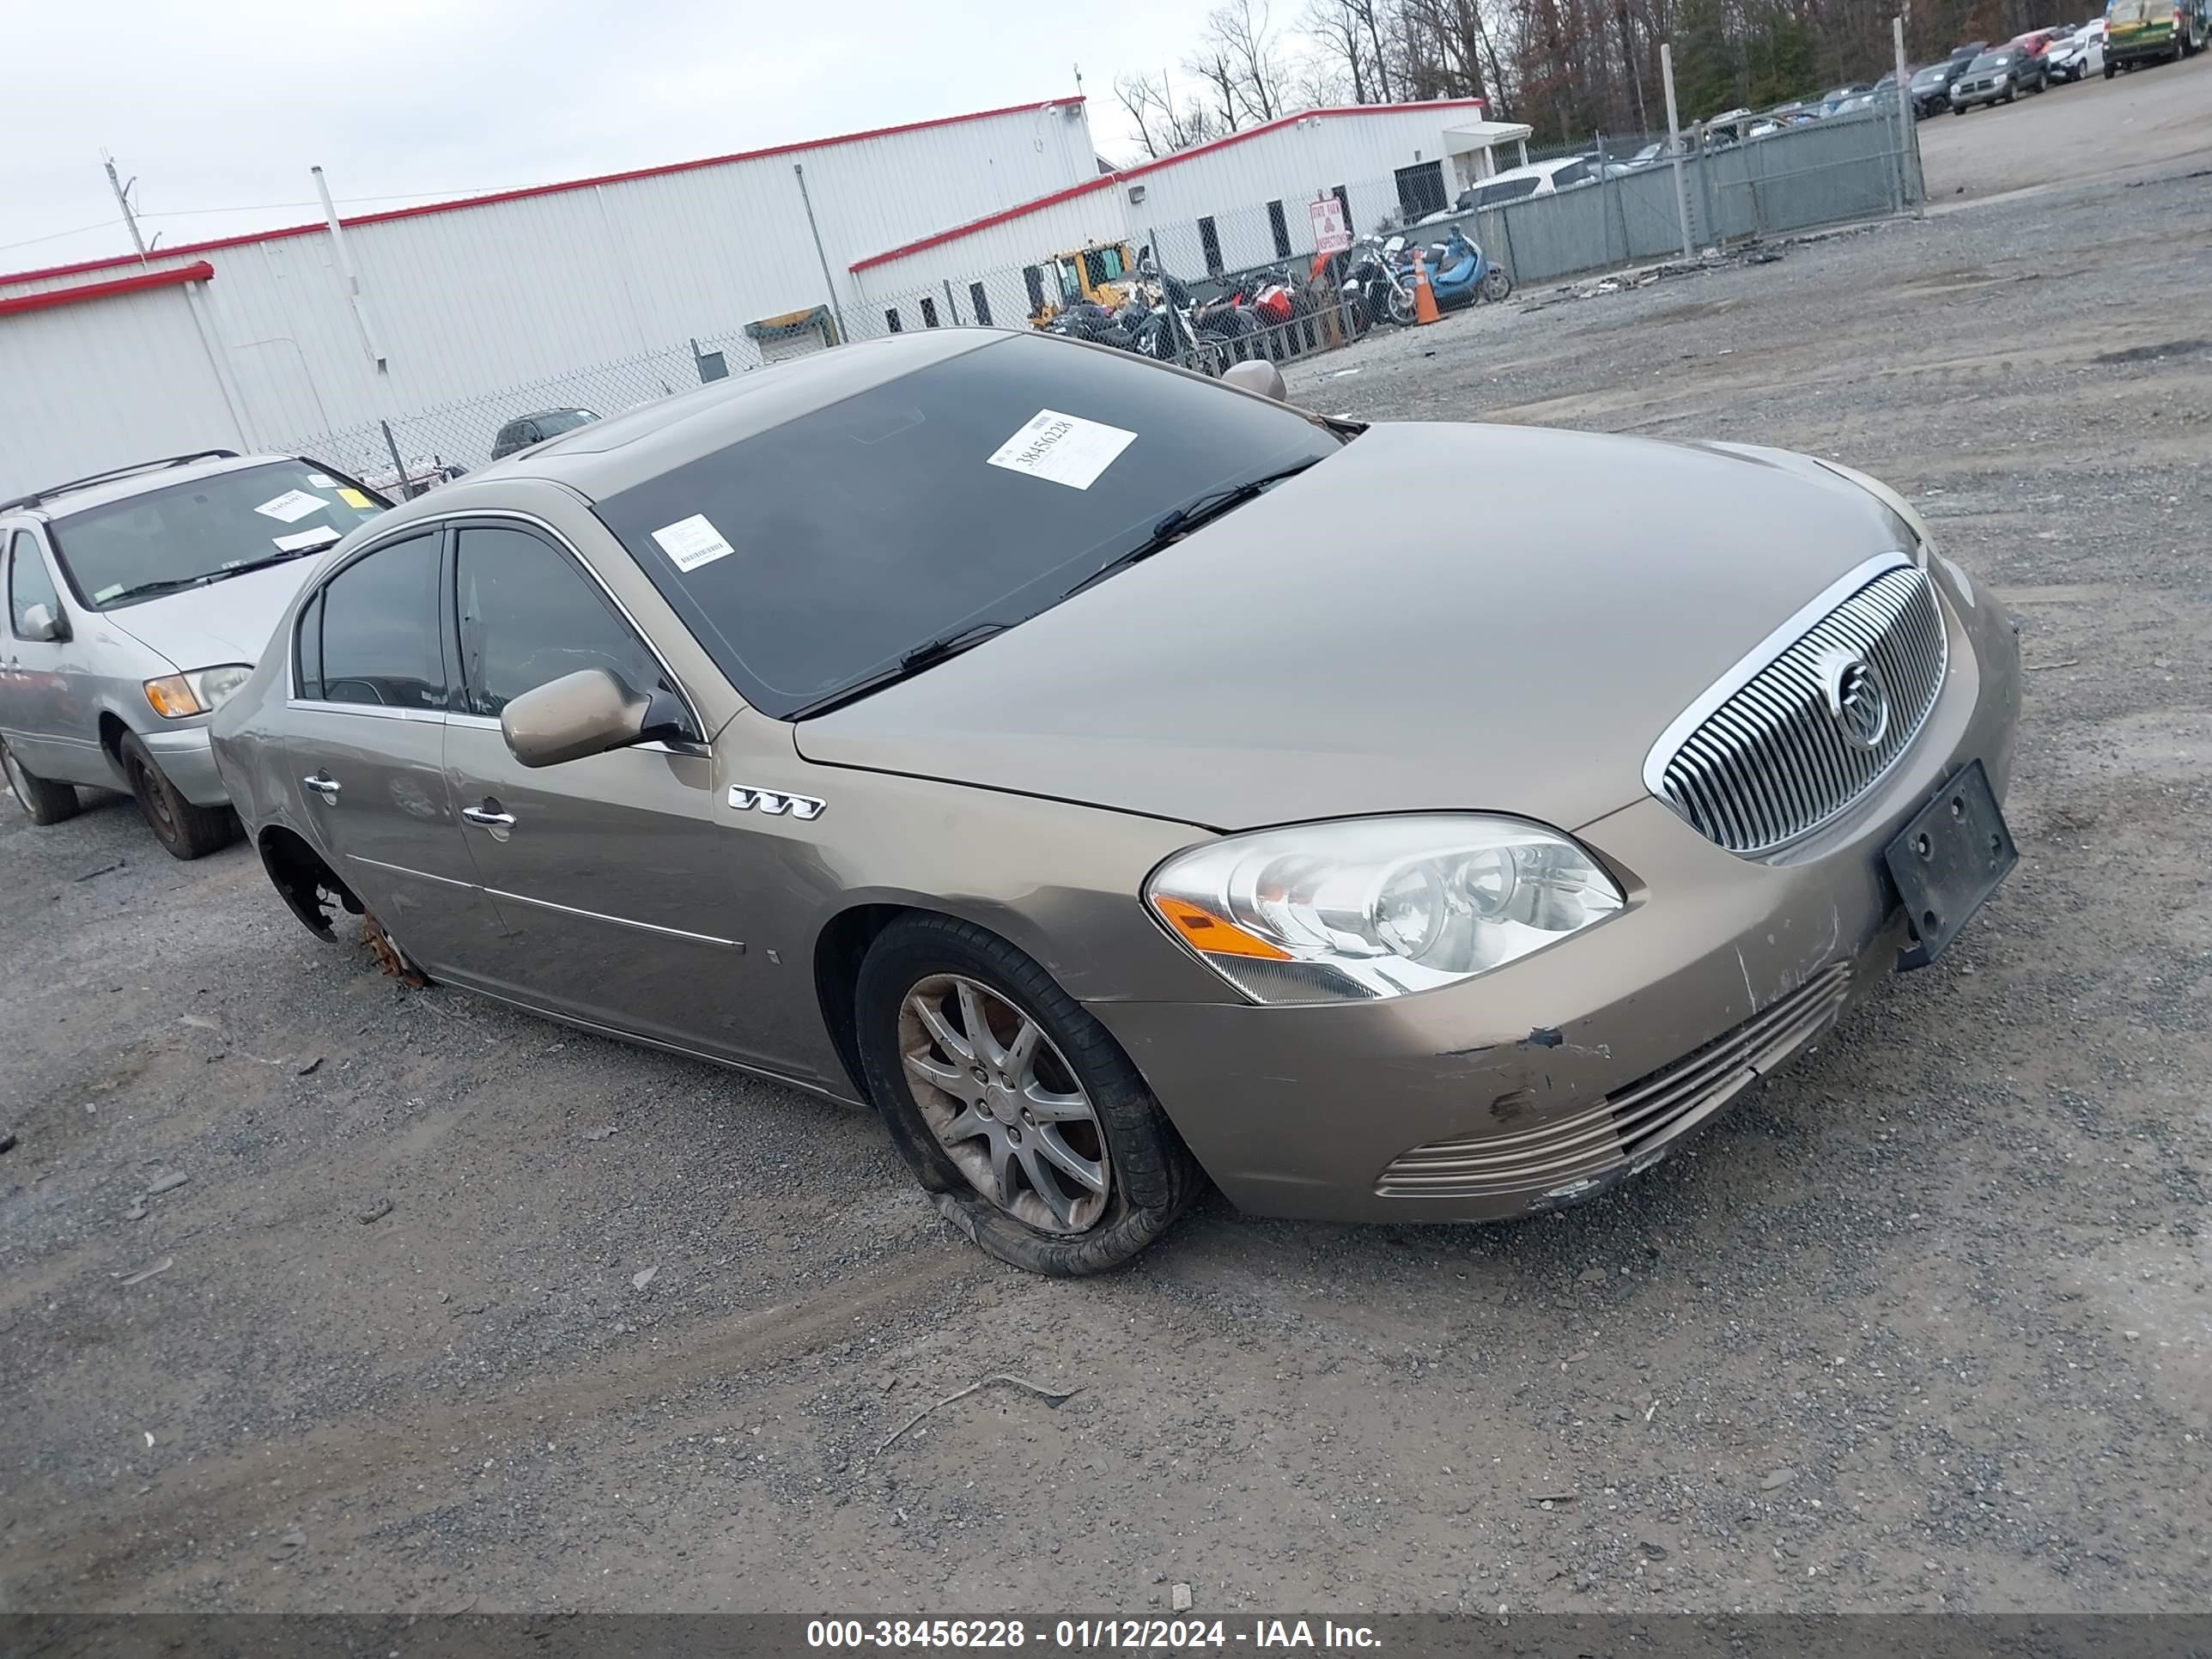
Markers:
<point>968,823</point>
<point>2139,32</point>
<point>2081,53</point>
<point>1537,178</point>
<point>137,600</point>
<point>1829,100</point>
<point>1931,86</point>
<point>1996,77</point>
<point>536,428</point>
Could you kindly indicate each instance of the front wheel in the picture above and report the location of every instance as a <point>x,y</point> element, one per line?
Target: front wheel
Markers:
<point>43,800</point>
<point>1401,305</point>
<point>185,831</point>
<point>2111,69</point>
<point>1017,1111</point>
<point>1496,284</point>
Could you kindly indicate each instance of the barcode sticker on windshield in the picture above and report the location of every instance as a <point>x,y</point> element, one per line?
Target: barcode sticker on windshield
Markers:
<point>293,505</point>
<point>692,542</point>
<point>1064,449</point>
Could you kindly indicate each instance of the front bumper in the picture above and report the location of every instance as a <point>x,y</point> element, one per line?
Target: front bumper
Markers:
<point>187,761</point>
<point>1547,1080</point>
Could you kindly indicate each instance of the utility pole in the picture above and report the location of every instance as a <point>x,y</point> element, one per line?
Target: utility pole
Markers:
<point>123,200</point>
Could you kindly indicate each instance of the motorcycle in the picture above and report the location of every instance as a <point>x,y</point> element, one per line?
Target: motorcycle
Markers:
<point>1462,274</point>
<point>1459,274</point>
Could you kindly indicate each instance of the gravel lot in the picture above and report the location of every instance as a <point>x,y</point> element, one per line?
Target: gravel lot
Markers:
<point>1927,1323</point>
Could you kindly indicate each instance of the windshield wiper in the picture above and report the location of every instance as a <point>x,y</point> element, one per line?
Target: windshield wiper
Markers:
<point>177,584</point>
<point>1198,510</point>
<point>927,654</point>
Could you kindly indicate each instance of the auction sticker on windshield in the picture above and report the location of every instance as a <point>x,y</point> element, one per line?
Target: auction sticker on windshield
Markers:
<point>692,542</point>
<point>1064,449</point>
<point>293,505</point>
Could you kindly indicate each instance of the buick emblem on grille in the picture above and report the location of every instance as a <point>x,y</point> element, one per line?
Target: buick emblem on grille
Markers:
<point>1858,702</point>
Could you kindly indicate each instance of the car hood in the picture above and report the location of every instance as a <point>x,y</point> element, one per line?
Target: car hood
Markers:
<point>228,621</point>
<point>1438,617</point>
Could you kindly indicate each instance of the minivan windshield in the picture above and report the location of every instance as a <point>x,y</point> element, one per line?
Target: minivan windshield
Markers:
<point>978,490</point>
<point>189,534</point>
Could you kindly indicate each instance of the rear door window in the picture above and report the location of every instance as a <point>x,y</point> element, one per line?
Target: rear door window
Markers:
<point>379,621</point>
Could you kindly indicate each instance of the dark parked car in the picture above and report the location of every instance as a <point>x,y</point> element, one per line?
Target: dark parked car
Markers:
<point>524,430</point>
<point>988,727</point>
<point>1996,77</point>
<point>1931,86</point>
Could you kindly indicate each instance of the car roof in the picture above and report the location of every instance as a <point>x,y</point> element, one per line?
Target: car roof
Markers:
<point>609,456</point>
<point>61,499</point>
<point>540,414</point>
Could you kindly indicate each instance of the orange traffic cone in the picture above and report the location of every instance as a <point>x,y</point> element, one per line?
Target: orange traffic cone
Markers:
<point>1424,297</point>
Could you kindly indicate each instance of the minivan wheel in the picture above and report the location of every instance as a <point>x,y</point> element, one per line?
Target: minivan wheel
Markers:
<point>42,801</point>
<point>185,831</point>
<point>1015,1110</point>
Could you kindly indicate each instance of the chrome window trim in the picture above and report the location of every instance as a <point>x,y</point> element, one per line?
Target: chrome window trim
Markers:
<point>618,921</point>
<point>374,710</point>
<point>1755,662</point>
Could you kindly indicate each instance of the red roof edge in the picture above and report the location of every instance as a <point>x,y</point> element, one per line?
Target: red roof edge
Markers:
<point>248,238</point>
<point>1144,167</point>
<point>200,272</point>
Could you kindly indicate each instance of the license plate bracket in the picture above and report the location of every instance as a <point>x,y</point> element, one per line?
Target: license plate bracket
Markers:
<point>1954,855</point>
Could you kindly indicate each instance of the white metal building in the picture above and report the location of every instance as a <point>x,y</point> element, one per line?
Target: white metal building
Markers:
<point>1234,202</point>
<point>254,341</point>
<point>451,316</point>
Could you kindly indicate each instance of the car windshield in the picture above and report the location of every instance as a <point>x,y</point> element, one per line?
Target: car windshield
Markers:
<point>978,490</point>
<point>563,420</point>
<point>187,535</point>
<point>1927,77</point>
<point>1995,60</point>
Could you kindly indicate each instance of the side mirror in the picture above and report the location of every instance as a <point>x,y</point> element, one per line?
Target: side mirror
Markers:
<point>587,713</point>
<point>41,623</point>
<point>1257,375</point>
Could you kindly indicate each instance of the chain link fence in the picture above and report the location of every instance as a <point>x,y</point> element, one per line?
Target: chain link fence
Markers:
<point>1250,284</point>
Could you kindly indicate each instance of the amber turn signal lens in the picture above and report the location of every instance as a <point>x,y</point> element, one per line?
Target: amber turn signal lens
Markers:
<point>172,697</point>
<point>1207,932</point>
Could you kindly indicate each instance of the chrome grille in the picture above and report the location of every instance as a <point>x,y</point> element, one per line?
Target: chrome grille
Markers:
<point>1770,761</point>
<point>1629,1128</point>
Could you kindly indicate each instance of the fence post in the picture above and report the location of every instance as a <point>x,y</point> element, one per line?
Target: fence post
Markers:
<point>1674,145</point>
<point>951,305</point>
<point>1908,131</point>
<point>399,467</point>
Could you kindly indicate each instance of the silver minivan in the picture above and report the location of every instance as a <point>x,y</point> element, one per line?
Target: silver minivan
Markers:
<point>137,600</point>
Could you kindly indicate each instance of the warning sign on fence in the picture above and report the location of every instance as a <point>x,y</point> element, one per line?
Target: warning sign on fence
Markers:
<point>1332,232</point>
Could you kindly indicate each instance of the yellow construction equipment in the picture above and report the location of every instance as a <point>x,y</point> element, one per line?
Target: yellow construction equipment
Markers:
<point>1101,273</point>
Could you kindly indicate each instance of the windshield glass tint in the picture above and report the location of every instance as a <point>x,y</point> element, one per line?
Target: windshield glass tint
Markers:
<point>564,420</point>
<point>151,543</point>
<point>815,554</point>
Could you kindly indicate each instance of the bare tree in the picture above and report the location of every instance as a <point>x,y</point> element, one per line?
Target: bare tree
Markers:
<point>1338,54</point>
<point>1238,36</point>
<point>1213,67</point>
<point>1162,125</point>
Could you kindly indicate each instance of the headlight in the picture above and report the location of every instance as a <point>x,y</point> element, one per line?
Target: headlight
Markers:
<point>201,692</point>
<point>1365,907</point>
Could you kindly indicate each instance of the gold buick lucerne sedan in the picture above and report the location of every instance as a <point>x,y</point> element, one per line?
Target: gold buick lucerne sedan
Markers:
<point>1038,745</point>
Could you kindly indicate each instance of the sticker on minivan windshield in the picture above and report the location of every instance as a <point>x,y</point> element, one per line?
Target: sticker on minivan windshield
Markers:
<point>692,542</point>
<point>1066,449</point>
<point>293,505</point>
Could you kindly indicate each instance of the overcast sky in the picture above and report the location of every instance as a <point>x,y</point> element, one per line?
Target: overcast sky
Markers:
<point>225,105</point>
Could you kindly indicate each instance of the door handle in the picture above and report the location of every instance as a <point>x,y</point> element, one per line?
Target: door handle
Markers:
<point>326,787</point>
<point>489,819</point>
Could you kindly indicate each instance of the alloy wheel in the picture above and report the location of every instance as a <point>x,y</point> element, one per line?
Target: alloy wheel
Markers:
<point>1004,1104</point>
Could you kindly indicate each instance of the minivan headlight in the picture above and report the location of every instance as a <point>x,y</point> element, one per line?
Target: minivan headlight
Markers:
<point>1365,907</point>
<point>198,691</point>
